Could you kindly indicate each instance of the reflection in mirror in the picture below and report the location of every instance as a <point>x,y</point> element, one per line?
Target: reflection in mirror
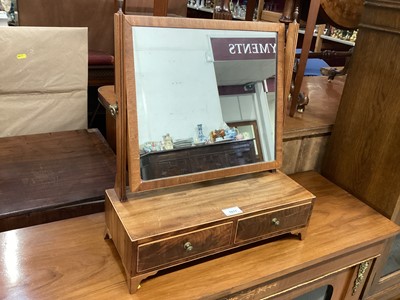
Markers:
<point>250,130</point>
<point>393,263</point>
<point>191,86</point>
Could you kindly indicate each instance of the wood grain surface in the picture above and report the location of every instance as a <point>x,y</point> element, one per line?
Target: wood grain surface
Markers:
<point>46,172</point>
<point>363,155</point>
<point>70,259</point>
<point>343,13</point>
<point>320,114</point>
<point>165,212</point>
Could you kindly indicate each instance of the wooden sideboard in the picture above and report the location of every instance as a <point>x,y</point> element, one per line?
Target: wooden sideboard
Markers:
<point>70,259</point>
<point>199,158</point>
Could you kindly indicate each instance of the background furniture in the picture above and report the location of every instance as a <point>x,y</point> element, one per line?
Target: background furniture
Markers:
<point>175,8</point>
<point>343,13</point>
<point>52,176</point>
<point>96,15</point>
<point>51,166</point>
<point>306,135</point>
<point>42,90</point>
<point>362,156</point>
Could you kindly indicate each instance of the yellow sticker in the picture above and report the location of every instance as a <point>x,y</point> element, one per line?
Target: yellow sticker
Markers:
<point>21,56</point>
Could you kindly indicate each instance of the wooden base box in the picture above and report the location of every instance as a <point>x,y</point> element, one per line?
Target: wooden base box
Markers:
<point>158,229</point>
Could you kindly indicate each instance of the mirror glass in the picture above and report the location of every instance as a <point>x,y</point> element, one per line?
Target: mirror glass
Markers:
<point>205,99</point>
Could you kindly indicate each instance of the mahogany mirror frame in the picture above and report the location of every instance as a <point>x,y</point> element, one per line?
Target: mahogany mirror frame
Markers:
<point>127,121</point>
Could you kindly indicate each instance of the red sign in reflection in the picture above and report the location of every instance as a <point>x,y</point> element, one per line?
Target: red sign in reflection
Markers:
<point>243,48</point>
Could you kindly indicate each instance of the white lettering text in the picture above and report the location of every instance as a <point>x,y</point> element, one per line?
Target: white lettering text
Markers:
<point>252,48</point>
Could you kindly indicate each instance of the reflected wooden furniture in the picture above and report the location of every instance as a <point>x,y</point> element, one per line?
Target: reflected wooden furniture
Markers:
<point>343,233</point>
<point>53,176</point>
<point>199,158</point>
<point>252,128</point>
<point>363,156</point>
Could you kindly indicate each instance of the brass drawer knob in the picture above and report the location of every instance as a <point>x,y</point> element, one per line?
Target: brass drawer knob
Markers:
<point>275,221</point>
<point>188,246</point>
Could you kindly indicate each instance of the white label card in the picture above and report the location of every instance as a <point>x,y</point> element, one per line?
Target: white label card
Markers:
<point>232,211</point>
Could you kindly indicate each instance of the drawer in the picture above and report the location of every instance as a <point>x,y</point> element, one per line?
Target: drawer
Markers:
<point>183,247</point>
<point>258,226</point>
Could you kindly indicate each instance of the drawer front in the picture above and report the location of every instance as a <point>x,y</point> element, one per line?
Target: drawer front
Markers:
<point>256,227</point>
<point>183,247</point>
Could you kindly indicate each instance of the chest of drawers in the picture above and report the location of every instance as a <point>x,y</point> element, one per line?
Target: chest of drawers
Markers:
<point>158,229</point>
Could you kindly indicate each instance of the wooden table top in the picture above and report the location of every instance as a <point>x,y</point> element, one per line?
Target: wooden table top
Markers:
<point>69,259</point>
<point>51,170</point>
<point>320,114</point>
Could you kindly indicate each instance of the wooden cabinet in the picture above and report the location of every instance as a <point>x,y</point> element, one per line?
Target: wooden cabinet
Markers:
<point>343,280</point>
<point>363,155</point>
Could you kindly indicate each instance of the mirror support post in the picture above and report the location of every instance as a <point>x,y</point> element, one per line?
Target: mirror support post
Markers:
<point>120,178</point>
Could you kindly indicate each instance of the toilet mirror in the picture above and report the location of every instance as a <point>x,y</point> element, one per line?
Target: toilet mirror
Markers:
<point>204,99</point>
